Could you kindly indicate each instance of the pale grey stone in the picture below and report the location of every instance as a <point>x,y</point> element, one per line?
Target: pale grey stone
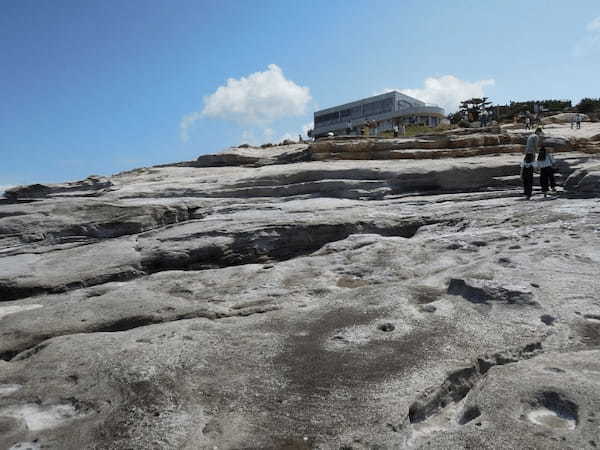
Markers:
<point>263,299</point>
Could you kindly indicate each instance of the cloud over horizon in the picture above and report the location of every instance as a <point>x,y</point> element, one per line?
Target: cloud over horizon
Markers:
<point>447,91</point>
<point>256,136</point>
<point>257,99</point>
<point>591,41</point>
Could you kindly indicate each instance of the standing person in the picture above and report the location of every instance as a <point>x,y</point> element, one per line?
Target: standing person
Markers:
<point>545,162</point>
<point>531,148</point>
<point>578,119</point>
<point>527,122</point>
<point>527,174</point>
<point>484,120</point>
<point>396,130</point>
<point>366,127</point>
<point>348,127</point>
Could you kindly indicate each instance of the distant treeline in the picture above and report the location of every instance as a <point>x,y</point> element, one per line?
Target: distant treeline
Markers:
<point>470,109</point>
<point>586,105</point>
<point>516,108</point>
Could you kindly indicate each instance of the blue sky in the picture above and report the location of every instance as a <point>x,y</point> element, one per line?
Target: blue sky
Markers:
<point>97,87</point>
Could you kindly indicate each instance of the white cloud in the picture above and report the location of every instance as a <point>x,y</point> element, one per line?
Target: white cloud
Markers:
<point>268,133</point>
<point>447,91</point>
<point>186,123</point>
<point>591,41</point>
<point>257,99</point>
<point>594,25</point>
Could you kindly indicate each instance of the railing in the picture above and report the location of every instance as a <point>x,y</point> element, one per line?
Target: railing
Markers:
<point>428,109</point>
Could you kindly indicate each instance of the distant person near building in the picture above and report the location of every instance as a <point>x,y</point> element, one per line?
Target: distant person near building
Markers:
<point>348,127</point>
<point>396,130</point>
<point>483,118</point>
<point>527,122</point>
<point>545,162</point>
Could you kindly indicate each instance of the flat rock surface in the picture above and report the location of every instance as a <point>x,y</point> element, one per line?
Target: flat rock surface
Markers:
<point>419,304</point>
<point>587,130</point>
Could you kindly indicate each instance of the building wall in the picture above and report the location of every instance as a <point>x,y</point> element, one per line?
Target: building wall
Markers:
<point>386,109</point>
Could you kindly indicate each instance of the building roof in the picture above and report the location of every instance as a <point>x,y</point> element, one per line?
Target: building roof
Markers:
<point>398,95</point>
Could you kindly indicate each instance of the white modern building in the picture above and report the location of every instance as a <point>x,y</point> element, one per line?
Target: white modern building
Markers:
<point>382,112</point>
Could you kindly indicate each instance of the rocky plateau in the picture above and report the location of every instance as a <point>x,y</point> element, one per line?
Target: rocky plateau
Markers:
<point>350,293</point>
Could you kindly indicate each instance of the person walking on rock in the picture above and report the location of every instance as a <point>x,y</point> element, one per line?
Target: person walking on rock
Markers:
<point>528,164</point>
<point>527,123</point>
<point>545,162</point>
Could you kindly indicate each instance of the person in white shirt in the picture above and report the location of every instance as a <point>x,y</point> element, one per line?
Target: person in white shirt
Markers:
<point>534,142</point>
<point>483,118</point>
<point>545,162</point>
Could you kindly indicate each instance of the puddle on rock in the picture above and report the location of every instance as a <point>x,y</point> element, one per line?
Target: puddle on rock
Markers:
<point>39,417</point>
<point>26,446</point>
<point>551,419</point>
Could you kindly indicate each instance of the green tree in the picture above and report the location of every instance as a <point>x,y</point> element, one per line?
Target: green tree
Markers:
<point>588,105</point>
<point>472,107</point>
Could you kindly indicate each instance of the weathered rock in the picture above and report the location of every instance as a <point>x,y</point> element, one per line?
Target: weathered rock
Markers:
<point>584,181</point>
<point>543,410</point>
<point>438,146</point>
<point>482,291</point>
<point>91,186</point>
<point>253,156</point>
<point>564,118</point>
<point>409,303</point>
